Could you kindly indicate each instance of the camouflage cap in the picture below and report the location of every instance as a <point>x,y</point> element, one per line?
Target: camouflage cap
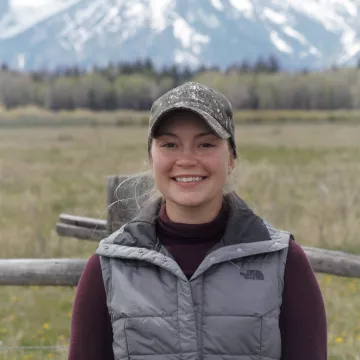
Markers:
<point>209,104</point>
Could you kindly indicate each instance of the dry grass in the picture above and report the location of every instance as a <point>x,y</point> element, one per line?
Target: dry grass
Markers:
<point>33,116</point>
<point>303,178</point>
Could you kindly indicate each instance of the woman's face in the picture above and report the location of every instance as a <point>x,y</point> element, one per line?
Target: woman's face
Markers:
<point>190,163</point>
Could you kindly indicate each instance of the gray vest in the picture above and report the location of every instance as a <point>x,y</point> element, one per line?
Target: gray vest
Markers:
<point>229,309</point>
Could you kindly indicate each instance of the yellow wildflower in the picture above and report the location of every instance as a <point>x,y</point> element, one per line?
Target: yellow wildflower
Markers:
<point>352,287</point>
<point>339,340</point>
<point>46,326</point>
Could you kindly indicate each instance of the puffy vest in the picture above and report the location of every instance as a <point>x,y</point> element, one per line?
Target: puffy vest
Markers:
<point>229,309</point>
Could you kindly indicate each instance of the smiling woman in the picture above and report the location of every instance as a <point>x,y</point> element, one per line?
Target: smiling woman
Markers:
<point>197,274</point>
<point>190,165</point>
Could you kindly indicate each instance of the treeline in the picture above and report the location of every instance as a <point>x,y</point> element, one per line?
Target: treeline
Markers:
<point>258,85</point>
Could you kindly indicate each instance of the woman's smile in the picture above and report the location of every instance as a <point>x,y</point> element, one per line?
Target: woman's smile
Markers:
<point>189,180</point>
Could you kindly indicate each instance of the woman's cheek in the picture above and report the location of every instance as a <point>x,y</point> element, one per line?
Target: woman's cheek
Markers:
<point>161,162</point>
<point>215,161</point>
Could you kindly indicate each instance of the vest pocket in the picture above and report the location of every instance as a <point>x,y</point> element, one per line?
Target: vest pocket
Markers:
<point>231,335</point>
<point>151,335</point>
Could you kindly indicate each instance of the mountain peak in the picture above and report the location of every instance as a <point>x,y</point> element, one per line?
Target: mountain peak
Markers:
<point>300,33</point>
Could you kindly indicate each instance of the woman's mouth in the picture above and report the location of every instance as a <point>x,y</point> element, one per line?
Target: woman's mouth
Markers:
<point>189,180</point>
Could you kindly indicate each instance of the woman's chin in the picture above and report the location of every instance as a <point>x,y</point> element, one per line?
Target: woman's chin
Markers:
<point>189,201</point>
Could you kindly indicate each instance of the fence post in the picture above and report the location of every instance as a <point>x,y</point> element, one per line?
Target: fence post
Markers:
<point>123,201</point>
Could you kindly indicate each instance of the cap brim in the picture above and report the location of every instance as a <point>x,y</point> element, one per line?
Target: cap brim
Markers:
<point>213,124</point>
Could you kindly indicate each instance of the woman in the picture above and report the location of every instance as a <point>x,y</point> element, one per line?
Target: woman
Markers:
<point>197,275</point>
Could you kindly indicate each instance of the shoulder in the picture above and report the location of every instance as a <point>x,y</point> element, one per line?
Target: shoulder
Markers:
<point>91,274</point>
<point>301,288</point>
<point>298,270</point>
<point>296,254</point>
<point>93,263</point>
<point>90,292</point>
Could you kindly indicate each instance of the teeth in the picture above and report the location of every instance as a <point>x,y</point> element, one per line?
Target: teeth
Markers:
<point>188,179</point>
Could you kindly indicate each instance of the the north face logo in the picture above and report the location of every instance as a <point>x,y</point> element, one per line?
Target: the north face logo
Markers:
<point>253,275</point>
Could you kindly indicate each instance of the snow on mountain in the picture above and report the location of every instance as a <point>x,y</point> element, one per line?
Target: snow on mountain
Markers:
<point>22,15</point>
<point>301,33</point>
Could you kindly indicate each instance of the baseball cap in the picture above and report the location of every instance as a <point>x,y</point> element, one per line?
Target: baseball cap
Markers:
<point>211,105</point>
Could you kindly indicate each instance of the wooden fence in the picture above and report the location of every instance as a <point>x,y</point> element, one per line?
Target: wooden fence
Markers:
<point>67,272</point>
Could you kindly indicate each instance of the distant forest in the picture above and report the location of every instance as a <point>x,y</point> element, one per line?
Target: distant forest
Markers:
<point>259,85</point>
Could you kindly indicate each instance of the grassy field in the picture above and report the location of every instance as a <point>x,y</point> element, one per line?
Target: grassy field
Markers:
<point>303,178</point>
<point>34,117</point>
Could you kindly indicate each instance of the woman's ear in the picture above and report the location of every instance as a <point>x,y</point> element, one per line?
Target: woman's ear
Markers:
<point>150,161</point>
<point>231,164</point>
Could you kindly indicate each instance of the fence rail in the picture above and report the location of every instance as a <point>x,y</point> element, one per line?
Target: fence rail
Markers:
<point>63,272</point>
<point>67,272</point>
<point>80,227</point>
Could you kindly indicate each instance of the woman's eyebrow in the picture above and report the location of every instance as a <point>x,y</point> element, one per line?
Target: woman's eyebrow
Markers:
<point>166,134</point>
<point>174,135</point>
<point>205,134</point>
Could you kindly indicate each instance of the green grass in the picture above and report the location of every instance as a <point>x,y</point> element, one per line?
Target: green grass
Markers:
<point>303,178</point>
<point>38,117</point>
<point>281,156</point>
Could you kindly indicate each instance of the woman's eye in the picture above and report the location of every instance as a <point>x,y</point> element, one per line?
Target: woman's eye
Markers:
<point>207,145</point>
<point>168,145</point>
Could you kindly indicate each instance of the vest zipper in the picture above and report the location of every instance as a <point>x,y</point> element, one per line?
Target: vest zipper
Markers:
<point>198,332</point>
<point>198,311</point>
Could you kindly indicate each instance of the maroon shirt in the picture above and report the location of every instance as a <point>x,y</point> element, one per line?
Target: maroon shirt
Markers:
<point>302,319</point>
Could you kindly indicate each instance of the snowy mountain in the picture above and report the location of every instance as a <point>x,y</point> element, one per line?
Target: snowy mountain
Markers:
<point>300,33</point>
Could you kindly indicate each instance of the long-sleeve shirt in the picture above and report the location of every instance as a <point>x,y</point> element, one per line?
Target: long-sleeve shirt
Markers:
<point>302,319</point>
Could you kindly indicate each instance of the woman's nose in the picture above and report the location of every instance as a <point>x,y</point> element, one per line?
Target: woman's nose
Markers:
<point>186,158</point>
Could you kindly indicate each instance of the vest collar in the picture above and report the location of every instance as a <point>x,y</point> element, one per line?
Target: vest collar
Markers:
<point>243,227</point>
